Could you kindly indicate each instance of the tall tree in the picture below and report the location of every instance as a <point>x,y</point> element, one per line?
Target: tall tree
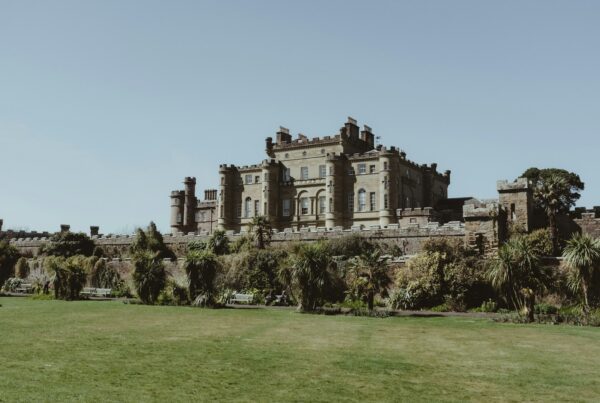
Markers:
<point>555,192</point>
<point>582,255</point>
<point>260,227</point>
<point>152,241</point>
<point>67,244</point>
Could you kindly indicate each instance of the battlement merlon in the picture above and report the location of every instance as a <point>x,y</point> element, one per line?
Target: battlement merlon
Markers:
<point>474,212</point>
<point>518,185</point>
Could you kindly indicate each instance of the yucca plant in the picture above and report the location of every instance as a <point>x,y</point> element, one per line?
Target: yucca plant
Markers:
<point>149,276</point>
<point>582,256</point>
<point>309,274</point>
<point>370,276</point>
<point>201,267</point>
<point>518,275</point>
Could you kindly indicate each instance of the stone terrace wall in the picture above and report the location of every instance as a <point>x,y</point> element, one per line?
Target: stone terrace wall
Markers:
<point>589,224</point>
<point>409,238</point>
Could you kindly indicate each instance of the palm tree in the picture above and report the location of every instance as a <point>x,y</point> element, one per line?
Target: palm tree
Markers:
<point>149,276</point>
<point>309,273</point>
<point>260,227</point>
<point>517,274</point>
<point>582,256</point>
<point>551,194</point>
<point>201,267</point>
<point>371,275</point>
<point>218,243</point>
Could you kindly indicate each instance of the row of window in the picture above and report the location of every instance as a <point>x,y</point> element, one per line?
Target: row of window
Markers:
<point>362,170</point>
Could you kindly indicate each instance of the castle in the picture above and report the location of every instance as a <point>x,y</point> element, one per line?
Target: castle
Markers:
<point>328,187</point>
<point>343,180</point>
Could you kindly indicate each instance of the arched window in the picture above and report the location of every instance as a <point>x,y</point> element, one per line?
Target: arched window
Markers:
<point>247,207</point>
<point>362,200</point>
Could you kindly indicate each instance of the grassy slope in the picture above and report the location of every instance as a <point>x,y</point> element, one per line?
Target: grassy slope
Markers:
<point>54,350</point>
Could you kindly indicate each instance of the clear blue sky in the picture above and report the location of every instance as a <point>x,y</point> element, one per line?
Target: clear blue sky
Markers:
<point>106,105</point>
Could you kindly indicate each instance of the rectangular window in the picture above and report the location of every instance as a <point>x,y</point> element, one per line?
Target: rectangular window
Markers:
<point>256,208</point>
<point>330,205</point>
<point>286,207</point>
<point>304,173</point>
<point>248,179</point>
<point>372,205</point>
<point>330,170</point>
<point>351,172</point>
<point>266,178</point>
<point>179,218</point>
<point>351,202</point>
<point>247,208</point>
<point>385,165</point>
<point>304,205</point>
<point>371,169</point>
<point>238,209</point>
<point>322,204</point>
<point>286,175</point>
<point>322,171</point>
<point>362,169</point>
<point>362,202</point>
<point>385,201</point>
<point>257,179</point>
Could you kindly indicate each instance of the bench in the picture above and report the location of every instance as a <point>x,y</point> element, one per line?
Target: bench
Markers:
<point>24,288</point>
<point>96,292</point>
<point>241,298</point>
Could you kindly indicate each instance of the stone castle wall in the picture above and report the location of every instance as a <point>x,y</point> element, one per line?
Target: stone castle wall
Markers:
<point>409,238</point>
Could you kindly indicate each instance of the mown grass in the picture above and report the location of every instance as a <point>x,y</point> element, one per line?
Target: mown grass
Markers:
<point>109,351</point>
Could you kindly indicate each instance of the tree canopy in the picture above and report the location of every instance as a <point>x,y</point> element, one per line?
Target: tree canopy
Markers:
<point>568,185</point>
<point>67,244</point>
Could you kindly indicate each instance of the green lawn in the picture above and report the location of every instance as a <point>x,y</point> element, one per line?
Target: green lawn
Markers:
<point>109,351</point>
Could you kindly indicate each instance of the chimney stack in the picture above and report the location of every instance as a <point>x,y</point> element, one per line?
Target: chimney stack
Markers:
<point>94,229</point>
<point>64,228</point>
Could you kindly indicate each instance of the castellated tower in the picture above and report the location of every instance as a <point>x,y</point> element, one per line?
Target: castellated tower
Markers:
<point>177,205</point>
<point>516,201</point>
<point>189,211</point>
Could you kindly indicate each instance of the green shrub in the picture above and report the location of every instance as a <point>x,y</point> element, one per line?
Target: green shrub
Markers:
<point>22,268</point>
<point>11,284</point>
<point>349,246</point>
<point>105,276</point>
<point>441,308</point>
<point>69,275</point>
<point>8,257</point>
<point>545,309</point>
<point>488,306</point>
<point>541,239</point>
